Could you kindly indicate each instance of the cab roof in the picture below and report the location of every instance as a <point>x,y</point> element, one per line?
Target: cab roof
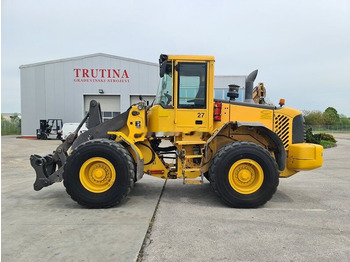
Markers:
<point>191,57</point>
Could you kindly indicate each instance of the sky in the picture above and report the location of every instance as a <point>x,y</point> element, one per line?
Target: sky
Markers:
<point>301,48</point>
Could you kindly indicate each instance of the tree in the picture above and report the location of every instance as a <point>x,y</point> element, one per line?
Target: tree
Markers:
<point>330,116</point>
<point>344,120</point>
<point>313,118</point>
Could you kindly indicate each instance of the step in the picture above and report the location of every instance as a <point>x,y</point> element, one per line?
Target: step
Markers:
<point>189,170</point>
<point>194,179</point>
<point>184,142</point>
<point>193,156</point>
<point>192,182</point>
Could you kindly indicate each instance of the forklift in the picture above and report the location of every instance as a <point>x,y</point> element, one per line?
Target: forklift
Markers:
<point>50,128</point>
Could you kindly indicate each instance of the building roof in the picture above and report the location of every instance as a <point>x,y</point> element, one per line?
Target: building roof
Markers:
<point>88,56</point>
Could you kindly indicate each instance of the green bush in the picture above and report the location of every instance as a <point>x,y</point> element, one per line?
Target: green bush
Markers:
<point>312,138</point>
<point>328,137</point>
<point>323,139</point>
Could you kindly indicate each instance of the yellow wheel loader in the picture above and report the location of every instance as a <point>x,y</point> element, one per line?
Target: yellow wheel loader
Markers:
<point>242,148</point>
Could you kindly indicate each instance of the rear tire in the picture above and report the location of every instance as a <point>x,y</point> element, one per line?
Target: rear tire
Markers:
<point>244,175</point>
<point>99,173</point>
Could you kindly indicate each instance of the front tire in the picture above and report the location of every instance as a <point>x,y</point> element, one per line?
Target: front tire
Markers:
<point>244,175</point>
<point>99,173</point>
<point>43,136</point>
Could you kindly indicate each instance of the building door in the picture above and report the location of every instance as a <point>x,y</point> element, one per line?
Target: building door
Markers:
<point>110,105</point>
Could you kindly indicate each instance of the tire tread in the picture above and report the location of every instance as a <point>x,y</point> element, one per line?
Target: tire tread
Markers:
<point>130,162</point>
<point>216,162</point>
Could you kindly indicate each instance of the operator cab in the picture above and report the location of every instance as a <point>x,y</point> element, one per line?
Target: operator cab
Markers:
<point>184,99</point>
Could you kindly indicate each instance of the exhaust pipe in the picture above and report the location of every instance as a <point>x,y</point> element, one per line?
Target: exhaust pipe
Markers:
<point>249,83</point>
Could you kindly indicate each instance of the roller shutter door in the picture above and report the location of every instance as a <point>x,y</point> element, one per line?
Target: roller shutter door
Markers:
<point>135,99</point>
<point>110,105</point>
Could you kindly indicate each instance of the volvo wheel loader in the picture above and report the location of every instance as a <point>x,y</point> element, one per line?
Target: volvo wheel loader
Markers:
<point>242,148</point>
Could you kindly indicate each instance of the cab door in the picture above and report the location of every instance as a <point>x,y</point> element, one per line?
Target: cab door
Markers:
<point>191,96</point>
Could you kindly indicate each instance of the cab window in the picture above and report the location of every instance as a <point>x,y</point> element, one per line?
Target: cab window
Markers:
<point>192,85</point>
<point>165,91</point>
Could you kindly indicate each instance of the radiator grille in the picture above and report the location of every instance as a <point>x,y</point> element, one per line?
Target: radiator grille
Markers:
<point>283,129</point>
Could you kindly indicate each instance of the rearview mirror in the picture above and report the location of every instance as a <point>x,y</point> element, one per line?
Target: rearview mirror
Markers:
<point>162,68</point>
<point>162,64</point>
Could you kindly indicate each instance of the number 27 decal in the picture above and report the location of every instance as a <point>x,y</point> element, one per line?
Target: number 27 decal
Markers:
<point>200,115</point>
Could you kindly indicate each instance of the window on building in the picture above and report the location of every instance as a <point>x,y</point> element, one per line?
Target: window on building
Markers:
<point>218,93</point>
<point>106,115</point>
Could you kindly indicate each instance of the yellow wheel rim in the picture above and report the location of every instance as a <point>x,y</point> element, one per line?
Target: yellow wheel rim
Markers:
<point>246,176</point>
<point>97,175</point>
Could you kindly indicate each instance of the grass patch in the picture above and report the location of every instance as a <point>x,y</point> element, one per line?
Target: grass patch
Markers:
<point>327,144</point>
<point>323,139</point>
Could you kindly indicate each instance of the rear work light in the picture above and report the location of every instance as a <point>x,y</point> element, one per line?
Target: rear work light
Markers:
<point>217,111</point>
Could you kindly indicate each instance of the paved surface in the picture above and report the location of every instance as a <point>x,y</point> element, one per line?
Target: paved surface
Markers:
<point>307,219</point>
<point>48,226</point>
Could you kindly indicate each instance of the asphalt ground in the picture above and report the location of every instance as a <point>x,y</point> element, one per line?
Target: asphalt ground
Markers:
<point>306,220</point>
<point>49,226</point>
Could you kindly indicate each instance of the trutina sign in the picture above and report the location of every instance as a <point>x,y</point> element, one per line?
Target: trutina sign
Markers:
<point>101,75</point>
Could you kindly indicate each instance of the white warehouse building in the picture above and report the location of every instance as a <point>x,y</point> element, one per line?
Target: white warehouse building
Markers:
<point>63,89</point>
